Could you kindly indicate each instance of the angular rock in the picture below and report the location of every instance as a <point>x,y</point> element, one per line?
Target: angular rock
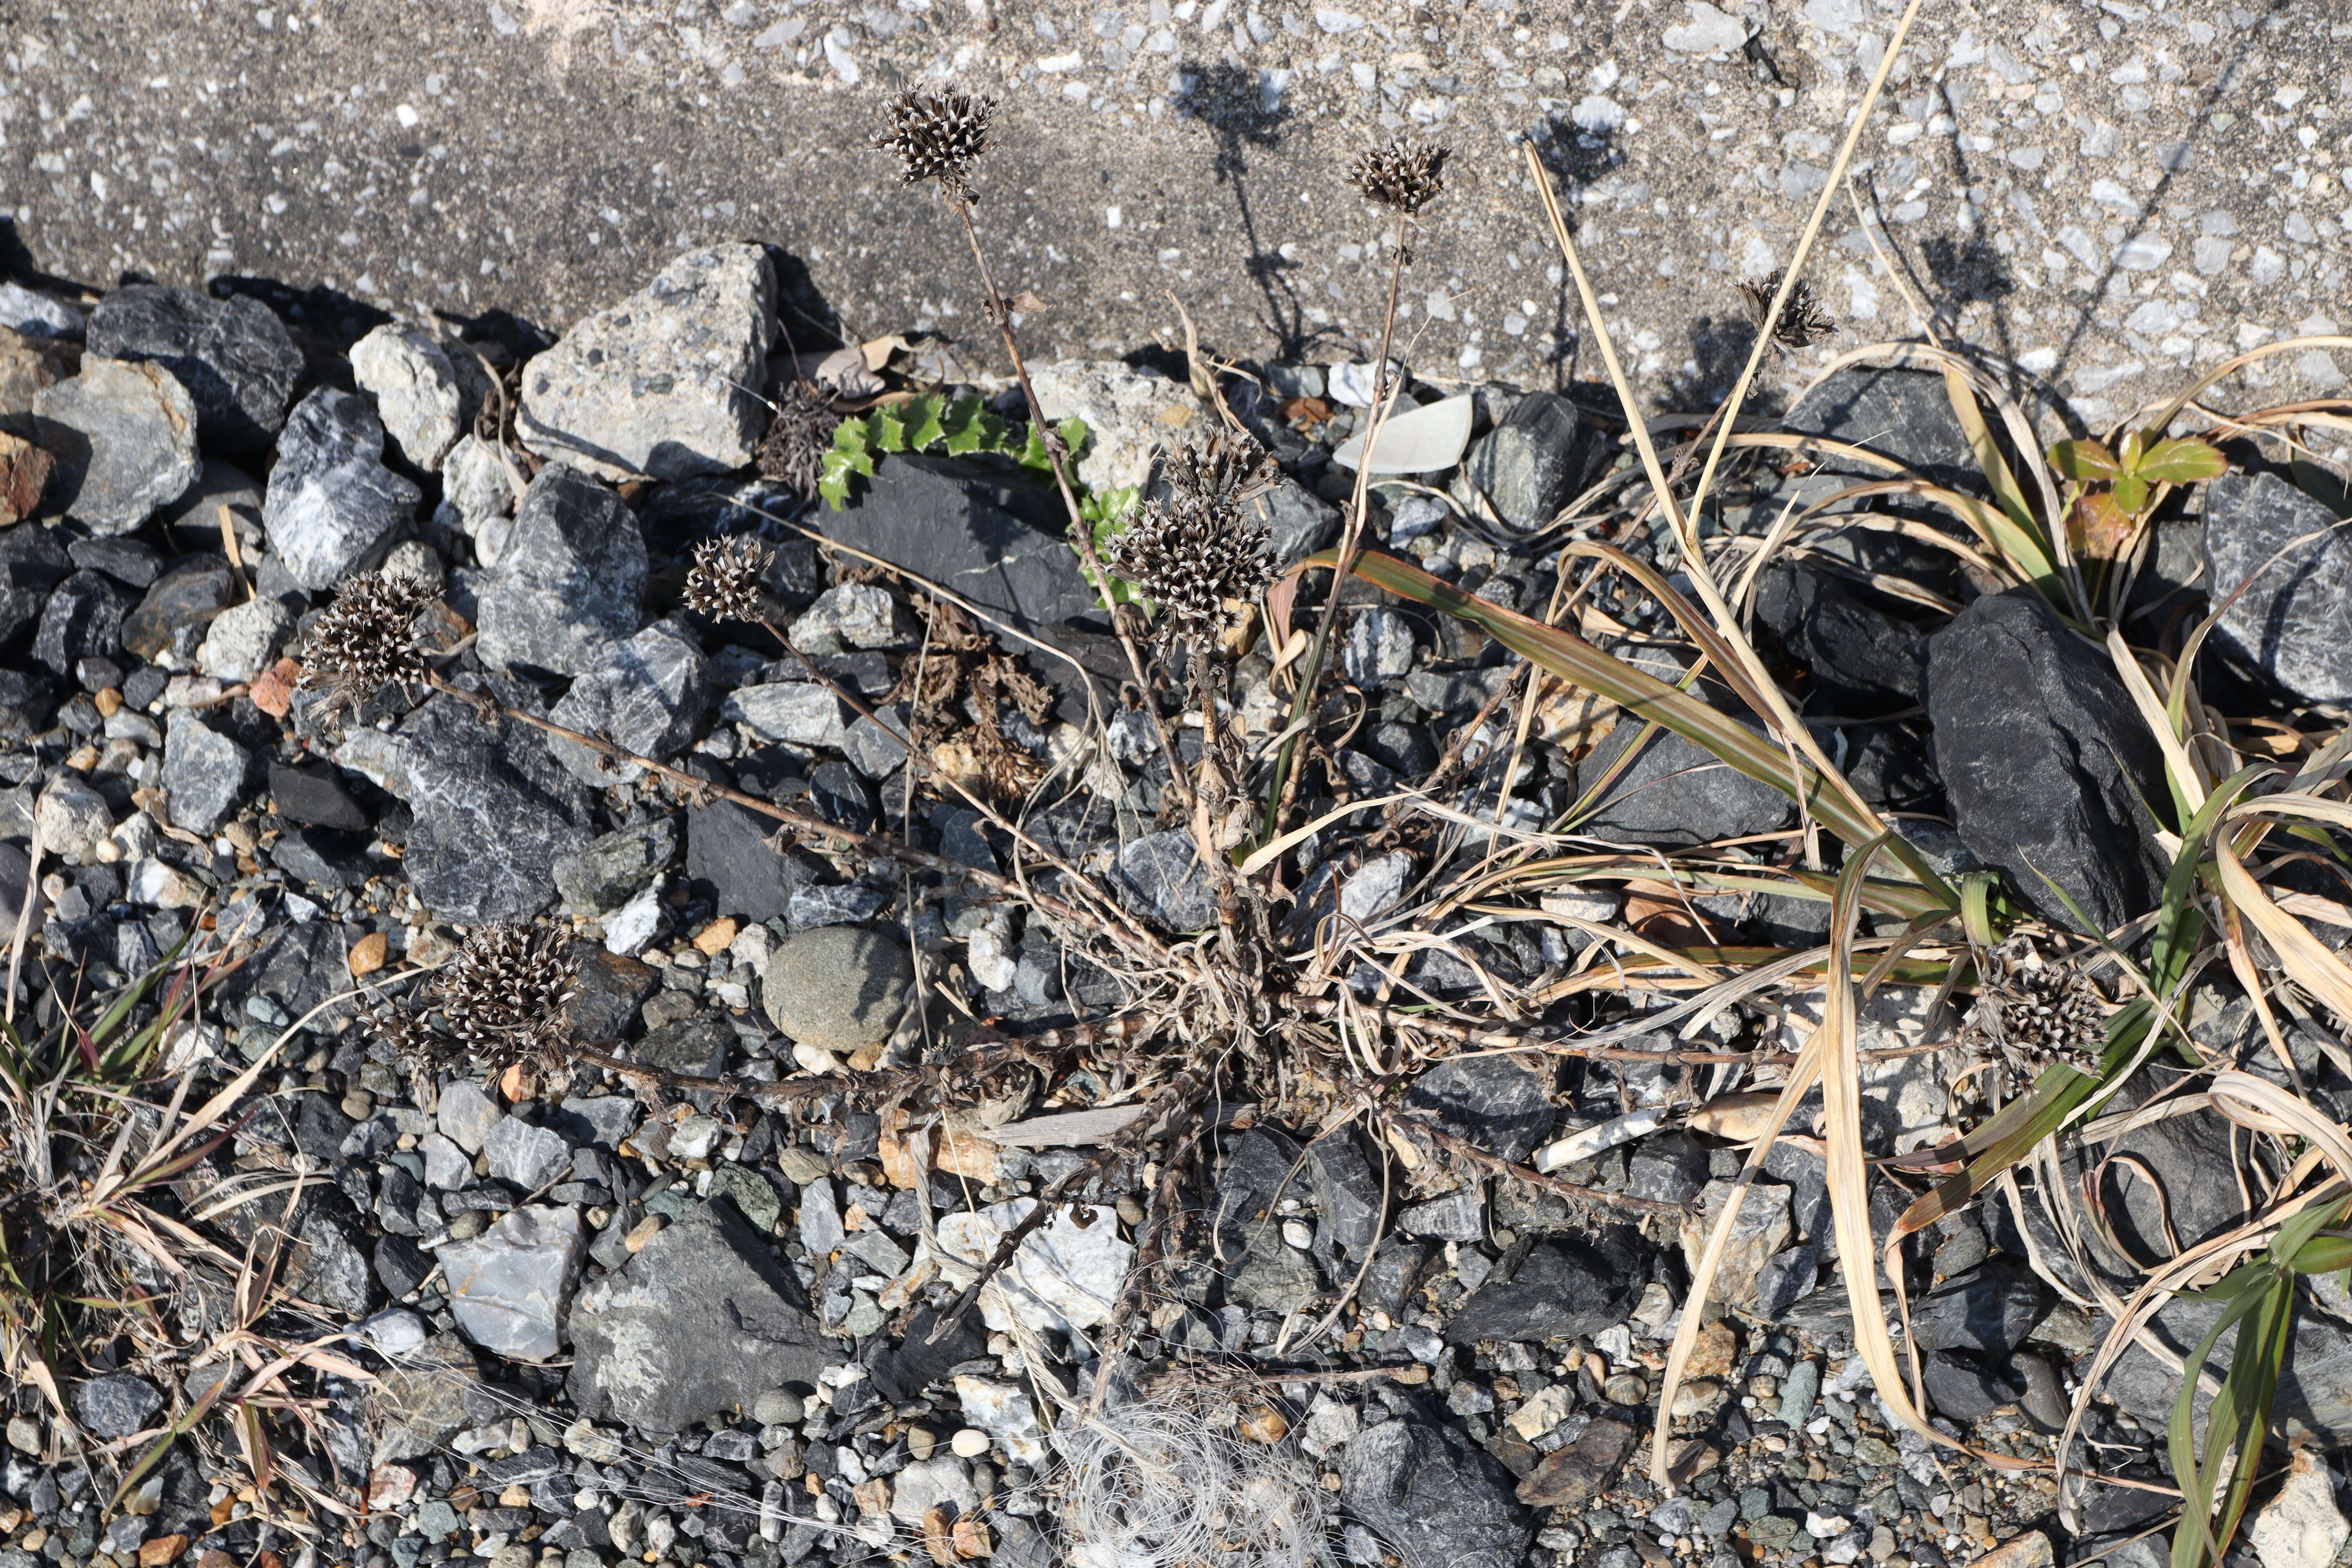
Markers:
<point>2045,760</point>
<point>493,813</point>
<point>416,391</point>
<point>1864,660</point>
<point>1572,1476</point>
<point>1905,414</point>
<point>83,619</point>
<point>666,381</point>
<point>2302,1527</point>
<point>1457,1215</point>
<point>1758,1234</point>
<point>1065,1277</point>
<point>727,851</point>
<point>1297,520</point>
<point>1564,1288</point>
<point>612,868</point>
<point>984,528</point>
<point>1379,649</point>
<point>34,315</point>
<point>1493,1102</point>
<point>1675,795</point>
<point>1965,1386</point>
<point>297,967</point>
<point>649,696</point>
<point>508,1285</point>
<point>332,507</point>
<point>312,796</point>
<point>2290,623</point>
<point>33,562</point>
<point>1438,1499</point>
<point>71,816</point>
<point>837,987</point>
<point>702,1320</point>
<point>1161,872</point>
<point>196,589</point>
<point>570,578</point>
<point>525,1156</point>
<point>233,355</point>
<point>903,1368</point>
<point>852,615</point>
<point>1346,1193</point>
<point>1129,412</point>
<point>205,774</point>
<point>1538,459</point>
<point>117,1405</point>
<point>123,441</point>
<point>243,641</point>
<point>1989,1309</point>
<point>1274,1276</point>
<point>798,712</point>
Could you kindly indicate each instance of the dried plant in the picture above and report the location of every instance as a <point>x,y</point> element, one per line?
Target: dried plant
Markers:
<point>501,995</point>
<point>724,582</point>
<point>1400,177</point>
<point>1801,323</point>
<point>938,135</point>
<point>1195,551</point>
<point>367,639</point>
<point>801,433</point>
<point>2033,1013</point>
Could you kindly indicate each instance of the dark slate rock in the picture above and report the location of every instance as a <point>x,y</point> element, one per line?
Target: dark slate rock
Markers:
<point>1540,457</point>
<point>1274,1276</point>
<point>1989,1309</point>
<point>2045,760</point>
<point>1436,1497</point>
<point>1670,1168</point>
<point>903,1368</point>
<point>701,1321</point>
<point>1901,413</point>
<point>605,997</point>
<point>1162,873</point>
<point>32,564</point>
<point>123,437</point>
<point>1346,1193</point>
<point>1966,1387</point>
<point>319,1129</point>
<point>296,968</point>
<point>570,579</point>
<point>233,355</point>
<point>696,1046</point>
<point>83,619</point>
<point>188,595</point>
<point>310,795</point>
<point>205,774</point>
<point>727,859</point>
<point>1493,1102</point>
<point>1864,660</point>
<point>117,1405</point>
<point>1297,521</point>
<point>1675,795</point>
<point>603,1119</point>
<point>2315,1390</point>
<point>1572,1476</point>
<point>650,695</point>
<point>492,816</point>
<point>401,1265</point>
<point>332,507</point>
<point>192,521</point>
<point>2291,623</point>
<point>1457,1215</point>
<point>1566,1286</point>
<point>27,703</point>
<point>835,904</point>
<point>134,563</point>
<point>981,528</point>
<point>1262,1169</point>
<point>616,867</point>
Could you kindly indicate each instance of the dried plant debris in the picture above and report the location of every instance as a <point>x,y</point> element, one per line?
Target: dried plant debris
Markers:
<point>368,638</point>
<point>724,581</point>
<point>799,436</point>
<point>500,997</point>
<point>2032,1013</point>
<point>1803,322</point>
<point>1195,551</point>
<point>938,135</point>
<point>1400,175</point>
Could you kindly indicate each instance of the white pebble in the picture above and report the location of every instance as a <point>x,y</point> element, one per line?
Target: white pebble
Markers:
<point>969,1443</point>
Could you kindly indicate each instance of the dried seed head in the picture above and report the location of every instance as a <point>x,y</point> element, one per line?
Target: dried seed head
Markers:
<point>724,582</point>
<point>1401,176</point>
<point>367,638</point>
<point>938,135</point>
<point>417,1048</point>
<point>504,989</point>
<point>1194,551</point>
<point>2035,1013</point>
<point>1802,322</point>
<point>793,451</point>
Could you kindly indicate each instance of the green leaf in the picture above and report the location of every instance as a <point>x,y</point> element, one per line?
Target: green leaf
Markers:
<point>1032,454</point>
<point>1075,436</point>
<point>924,427</point>
<point>971,428</point>
<point>889,431</point>
<point>2183,461</point>
<point>834,473</point>
<point>2083,460</point>
<point>2131,493</point>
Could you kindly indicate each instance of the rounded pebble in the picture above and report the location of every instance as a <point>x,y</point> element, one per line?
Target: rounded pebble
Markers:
<point>969,1443</point>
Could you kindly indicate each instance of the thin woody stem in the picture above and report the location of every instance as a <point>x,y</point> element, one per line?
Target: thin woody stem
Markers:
<point>1080,534</point>
<point>1310,675</point>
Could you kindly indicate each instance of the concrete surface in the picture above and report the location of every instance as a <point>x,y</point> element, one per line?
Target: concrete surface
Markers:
<point>2115,194</point>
